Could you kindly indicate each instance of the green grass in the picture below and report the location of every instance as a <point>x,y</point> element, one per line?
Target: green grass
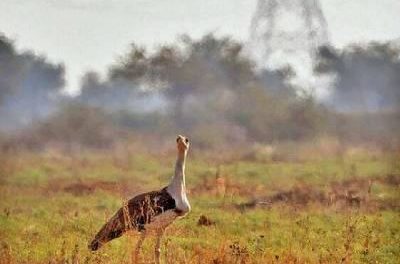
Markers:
<point>42,222</point>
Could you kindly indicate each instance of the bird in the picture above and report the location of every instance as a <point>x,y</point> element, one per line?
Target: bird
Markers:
<point>151,212</point>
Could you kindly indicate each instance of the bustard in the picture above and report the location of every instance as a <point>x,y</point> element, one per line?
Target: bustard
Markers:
<point>150,212</point>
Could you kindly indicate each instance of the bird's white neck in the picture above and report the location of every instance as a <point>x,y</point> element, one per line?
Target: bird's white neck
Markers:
<point>177,187</point>
<point>178,180</point>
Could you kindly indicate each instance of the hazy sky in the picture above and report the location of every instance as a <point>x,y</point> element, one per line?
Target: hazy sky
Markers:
<point>91,34</point>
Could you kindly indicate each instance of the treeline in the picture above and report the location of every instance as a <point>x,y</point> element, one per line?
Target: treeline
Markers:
<point>206,88</point>
<point>367,77</point>
<point>29,86</point>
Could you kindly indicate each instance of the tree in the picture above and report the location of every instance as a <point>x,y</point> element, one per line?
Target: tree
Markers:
<point>9,67</point>
<point>367,77</point>
<point>189,68</point>
<point>28,85</point>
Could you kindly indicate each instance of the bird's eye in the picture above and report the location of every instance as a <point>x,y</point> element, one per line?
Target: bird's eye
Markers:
<point>186,140</point>
<point>177,139</point>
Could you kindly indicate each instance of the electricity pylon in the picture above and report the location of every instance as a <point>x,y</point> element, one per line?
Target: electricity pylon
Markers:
<point>287,32</point>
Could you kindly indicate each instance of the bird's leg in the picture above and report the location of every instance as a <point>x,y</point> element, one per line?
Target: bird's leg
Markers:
<point>138,247</point>
<point>157,249</point>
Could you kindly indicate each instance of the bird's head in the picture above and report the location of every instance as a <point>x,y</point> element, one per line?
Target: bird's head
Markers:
<point>182,143</point>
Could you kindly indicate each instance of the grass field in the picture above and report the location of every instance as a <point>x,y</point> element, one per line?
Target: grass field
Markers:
<point>321,210</point>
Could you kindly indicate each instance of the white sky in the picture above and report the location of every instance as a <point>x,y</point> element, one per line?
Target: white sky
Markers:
<point>91,34</point>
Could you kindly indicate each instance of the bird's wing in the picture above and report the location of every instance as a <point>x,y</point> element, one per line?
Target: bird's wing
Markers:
<point>134,215</point>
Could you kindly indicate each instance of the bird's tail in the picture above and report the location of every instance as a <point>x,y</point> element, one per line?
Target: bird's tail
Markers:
<point>94,245</point>
<point>110,230</point>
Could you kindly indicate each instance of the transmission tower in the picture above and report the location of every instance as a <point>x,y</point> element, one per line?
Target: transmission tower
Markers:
<point>287,32</point>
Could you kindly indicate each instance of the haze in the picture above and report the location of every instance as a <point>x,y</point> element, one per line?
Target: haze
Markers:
<point>91,34</point>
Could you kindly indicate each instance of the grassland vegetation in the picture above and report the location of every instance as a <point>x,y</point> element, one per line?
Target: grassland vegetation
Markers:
<point>318,209</point>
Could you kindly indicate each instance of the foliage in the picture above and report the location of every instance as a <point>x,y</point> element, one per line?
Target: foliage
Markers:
<point>208,80</point>
<point>28,85</point>
<point>367,76</point>
<point>206,88</point>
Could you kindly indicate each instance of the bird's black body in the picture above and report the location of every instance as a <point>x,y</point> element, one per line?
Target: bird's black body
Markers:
<point>135,215</point>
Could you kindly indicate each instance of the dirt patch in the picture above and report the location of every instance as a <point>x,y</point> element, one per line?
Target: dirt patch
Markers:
<point>391,179</point>
<point>299,195</point>
<point>205,221</point>
<point>82,187</point>
<point>354,193</point>
<point>79,188</point>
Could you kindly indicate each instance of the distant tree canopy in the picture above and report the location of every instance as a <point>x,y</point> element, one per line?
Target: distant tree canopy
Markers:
<point>206,88</point>
<point>27,82</point>
<point>367,77</point>
<point>188,65</point>
<point>8,67</point>
<point>211,88</point>
<point>201,68</point>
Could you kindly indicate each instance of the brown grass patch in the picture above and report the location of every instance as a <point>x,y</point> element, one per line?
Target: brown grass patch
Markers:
<point>355,193</point>
<point>80,188</point>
